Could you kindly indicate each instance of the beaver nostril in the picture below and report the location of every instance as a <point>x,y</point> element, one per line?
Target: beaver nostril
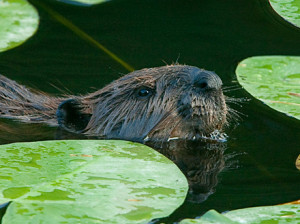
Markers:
<point>202,84</point>
<point>206,80</point>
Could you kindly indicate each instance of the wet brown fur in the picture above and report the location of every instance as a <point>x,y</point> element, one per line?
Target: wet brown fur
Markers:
<point>18,102</point>
<point>176,107</point>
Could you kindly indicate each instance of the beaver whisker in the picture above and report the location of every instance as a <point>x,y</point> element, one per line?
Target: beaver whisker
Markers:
<point>231,88</point>
<point>233,117</point>
<point>236,100</point>
<point>236,112</point>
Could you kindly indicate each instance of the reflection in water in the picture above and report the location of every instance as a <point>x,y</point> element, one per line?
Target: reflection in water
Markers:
<point>13,131</point>
<point>201,162</point>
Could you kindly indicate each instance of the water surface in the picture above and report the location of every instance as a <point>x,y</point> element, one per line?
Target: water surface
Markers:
<point>210,34</point>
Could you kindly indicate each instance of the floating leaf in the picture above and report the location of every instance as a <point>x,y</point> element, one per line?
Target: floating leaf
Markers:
<point>275,80</point>
<point>298,163</point>
<point>288,9</point>
<point>18,21</point>
<point>268,214</point>
<point>87,182</point>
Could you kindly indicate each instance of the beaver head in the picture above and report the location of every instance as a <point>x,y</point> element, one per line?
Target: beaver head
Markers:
<point>174,101</point>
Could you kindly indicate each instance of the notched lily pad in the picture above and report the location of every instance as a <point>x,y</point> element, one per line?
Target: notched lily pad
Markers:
<point>268,214</point>
<point>275,80</point>
<point>18,21</point>
<point>288,9</point>
<point>87,182</point>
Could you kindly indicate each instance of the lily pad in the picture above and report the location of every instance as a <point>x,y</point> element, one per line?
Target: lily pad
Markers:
<point>18,21</point>
<point>87,181</point>
<point>268,214</point>
<point>288,9</point>
<point>275,80</point>
<point>298,162</point>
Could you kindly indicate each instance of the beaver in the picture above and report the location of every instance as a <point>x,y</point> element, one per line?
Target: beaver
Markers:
<point>157,104</point>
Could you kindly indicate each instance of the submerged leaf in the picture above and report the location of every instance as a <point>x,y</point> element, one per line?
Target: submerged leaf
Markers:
<point>268,214</point>
<point>80,33</point>
<point>87,182</point>
<point>84,2</point>
<point>18,21</point>
<point>275,80</point>
<point>288,9</point>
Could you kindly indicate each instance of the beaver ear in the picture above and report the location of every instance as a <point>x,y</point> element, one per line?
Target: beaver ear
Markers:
<point>70,116</point>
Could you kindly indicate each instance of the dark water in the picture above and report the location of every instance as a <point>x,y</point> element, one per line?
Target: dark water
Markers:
<point>210,34</point>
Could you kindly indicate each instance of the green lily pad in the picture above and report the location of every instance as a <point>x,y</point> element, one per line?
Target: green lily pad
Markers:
<point>84,2</point>
<point>88,181</point>
<point>268,214</point>
<point>298,162</point>
<point>288,9</point>
<point>18,21</point>
<point>275,80</point>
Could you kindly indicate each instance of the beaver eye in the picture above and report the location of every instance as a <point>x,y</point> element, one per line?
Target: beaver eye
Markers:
<point>144,92</point>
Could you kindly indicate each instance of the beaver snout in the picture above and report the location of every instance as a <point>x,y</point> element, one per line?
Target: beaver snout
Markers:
<point>206,80</point>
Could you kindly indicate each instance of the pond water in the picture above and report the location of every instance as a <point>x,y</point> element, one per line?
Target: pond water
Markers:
<point>262,148</point>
